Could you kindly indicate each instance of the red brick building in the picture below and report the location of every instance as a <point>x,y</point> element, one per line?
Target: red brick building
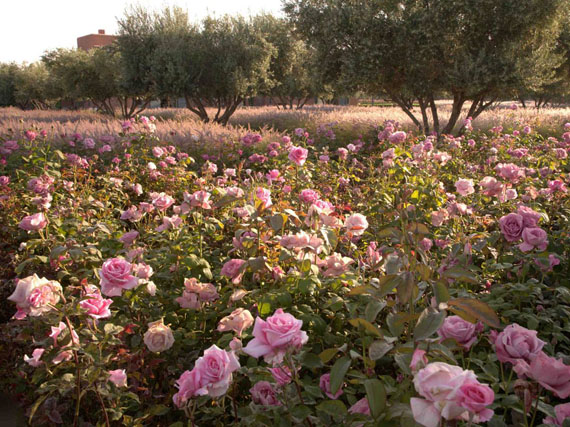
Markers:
<point>95,40</point>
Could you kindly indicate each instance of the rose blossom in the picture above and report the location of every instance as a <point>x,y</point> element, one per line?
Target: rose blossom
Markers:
<point>419,360</point>
<point>275,336</point>
<point>188,384</point>
<point>515,343</point>
<point>438,383</point>
<point>465,187</point>
<point>158,337</point>
<point>116,277</point>
<point>215,369</point>
<point>562,413</point>
<point>34,361</point>
<point>530,217</point>
<point>162,201</point>
<point>308,196</point>
<point>34,296</point>
<point>490,186</point>
<point>263,393</point>
<point>129,237</point>
<point>336,265</point>
<point>118,377</point>
<point>281,374</point>
<point>33,222</point>
<point>325,385</point>
<point>232,270</point>
<point>98,308</point>
<point>360,407</point>
<point>298,155</point>
<point>511,226</point>
<point>239,320</point>
<point>475,397</point>
<point>533,237</point>
<point>462,331</point>
<point>356,224</point>
<point>264,196</point>
<point>551,373</point>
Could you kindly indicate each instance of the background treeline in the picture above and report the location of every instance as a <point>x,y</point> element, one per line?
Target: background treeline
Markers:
<point>410,52</point>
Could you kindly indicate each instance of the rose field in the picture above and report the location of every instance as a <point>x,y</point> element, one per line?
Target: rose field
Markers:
<point>303,273</point>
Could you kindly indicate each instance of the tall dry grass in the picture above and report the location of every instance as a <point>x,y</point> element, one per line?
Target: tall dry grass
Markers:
<point>181,127</point>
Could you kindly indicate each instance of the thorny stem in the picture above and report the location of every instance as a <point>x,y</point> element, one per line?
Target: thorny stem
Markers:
<point>102,406</point>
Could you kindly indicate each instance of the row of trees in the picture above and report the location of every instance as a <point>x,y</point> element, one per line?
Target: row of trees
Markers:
<point>217,63</point>
<point>412,52</point>
<point>416,51</point>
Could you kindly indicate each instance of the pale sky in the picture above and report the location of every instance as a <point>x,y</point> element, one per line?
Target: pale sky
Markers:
<point>30,27</point>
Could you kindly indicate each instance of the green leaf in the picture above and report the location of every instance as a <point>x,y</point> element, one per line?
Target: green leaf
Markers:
<point>301,412</point>
<point>328,354</point>
<point>469,309</point>
<point>418,228</point>
<point>338,371</point>
<point>334,408</point>
<point>159,410</point>
<point>368,327</point>
<point>428,323</point>
<point>440,292</point>
<point>311,361</point>
<point>360,290</point>
<point>277,221</point>
<point>461,274</point>
<point>372,309</point>
<point>378,349</point>
<point>406,287</point>
<point>376,395</point>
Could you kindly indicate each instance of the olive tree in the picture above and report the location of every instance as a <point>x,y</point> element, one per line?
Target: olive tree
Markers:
<point>419,51</point>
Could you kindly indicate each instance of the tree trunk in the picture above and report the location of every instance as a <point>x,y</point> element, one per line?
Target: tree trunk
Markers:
<point>423,108</point>
<point>434,114</point>
<point>458,101</point>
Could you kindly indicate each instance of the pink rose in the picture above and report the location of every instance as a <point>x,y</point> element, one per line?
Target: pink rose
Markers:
<point>325,385</point>
<point>189,300</point>
<point>490,186</point>
<point>356,224</point>
<point>264,196</point>
<point>239,320</point>
<point>188,384</point>
<point>118,377</point>
<point>533,237</point>
<point>309,196</point>
<point>34,361</point>
<point>298,155</point>
<point>475,397</point>
<point>397,137</point>
<point>98,308</point>
<point>263,393</point>
<point>162,201</point>
<point>530,217</point>
<point>215,369</point>
<point>158,337</point>
<point>360,407</point>
<point>233,270</point>
<point>462,331</point>
<point>465,187</point>
<point>275,336</point>
<point>116,277</point>
<point>551,373</point>
<point>199,199</point>
<point>129,237</point>
<point>34,296</point>
<point>419,360</point>
<point>438,383</point>
<point>562,413</point>
<point>515,343</point>
<point>33,222</point>
<point>511,226</point>
<point>426,244</point>
<point>281,374</point>
<point>336,264</point>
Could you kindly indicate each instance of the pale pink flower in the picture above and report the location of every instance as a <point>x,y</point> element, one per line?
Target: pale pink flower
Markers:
<point>238,321</point>
<point>273,337</point>
<point>118,377</point>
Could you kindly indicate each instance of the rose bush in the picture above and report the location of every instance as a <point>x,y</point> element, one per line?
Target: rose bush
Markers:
<point>316,278</point>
